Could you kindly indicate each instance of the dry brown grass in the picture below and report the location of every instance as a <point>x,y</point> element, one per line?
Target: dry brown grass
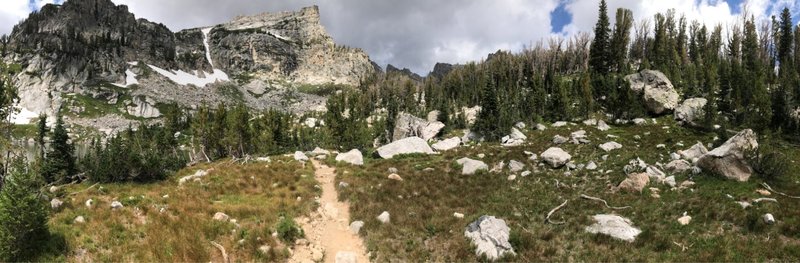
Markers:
<point>255,194</point>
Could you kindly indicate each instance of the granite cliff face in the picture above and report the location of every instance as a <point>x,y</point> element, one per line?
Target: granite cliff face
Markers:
<point>97,49</point>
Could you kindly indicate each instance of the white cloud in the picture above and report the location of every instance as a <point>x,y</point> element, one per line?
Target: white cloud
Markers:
<point>13,11</point>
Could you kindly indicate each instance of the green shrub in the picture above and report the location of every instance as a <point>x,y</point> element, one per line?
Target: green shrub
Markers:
<point>288,230</point>
<point>23,215</point>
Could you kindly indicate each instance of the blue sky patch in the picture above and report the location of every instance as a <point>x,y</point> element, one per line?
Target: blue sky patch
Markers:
<point>560,17</point>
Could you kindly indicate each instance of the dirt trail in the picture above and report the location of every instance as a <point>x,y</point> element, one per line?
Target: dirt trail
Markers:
<point>328,229</point>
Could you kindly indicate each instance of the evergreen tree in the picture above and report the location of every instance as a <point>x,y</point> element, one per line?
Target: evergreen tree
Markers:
<point>41,133</point>
<point>59,164</point>
<point>599,54</point>
<point>620,39</point>
<point>23,215</point>
<point>487,123</point>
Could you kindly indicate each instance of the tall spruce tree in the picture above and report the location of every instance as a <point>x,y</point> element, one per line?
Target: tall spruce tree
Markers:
<point>487,123</point>
<point>23,215</point>
<point>599,54</point>
<point>59,164</point>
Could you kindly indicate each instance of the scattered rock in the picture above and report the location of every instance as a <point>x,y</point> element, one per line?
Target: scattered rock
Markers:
<point>556,157</point>
<point>639,121</point>
<point>615,226</point>
<point>678,166</point>
<point>116,205</point>
<point>89,203</point>
<point>602,126</point>
<point>515,166</point>
<point>674,156</point>
<point>79,220</point>
<point>763,192</point>
<point>670,180</point>
<point>53,189</point>
<point>384,217</point>
<point>610,146</point>
<point>728,160</point>
<point>197,174</point>
<point>512,177</point>
<point>498,167</point>
<point>690,111</point>
<point>558,139</point>
<point>392,170</point>
<point>470,166</point>
<point>516,138</point>
<point>407,125</point>
<point>655,174</point>
<point>345,257</point>
<point>55,204</point>
<point>525,173</point>
<point>219,216</point>
<point>540,127</point>
<point>559,124</point>
<point>684,220</point>
<point>591,166</point>
<point>635,182</point>
<point>356,226</point>
<point>446,145</point>
<point>264,249</point>
<point>343,185</point>
<point>769,219</point>
<point>490,237</point>
<point>395,177</point>
<point>743,204</point>
<point>405,146</point>
<point>300,156</point>
<point>353,157</point>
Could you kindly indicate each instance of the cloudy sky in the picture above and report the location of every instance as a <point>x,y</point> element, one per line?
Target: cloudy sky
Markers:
<point>418,33</point>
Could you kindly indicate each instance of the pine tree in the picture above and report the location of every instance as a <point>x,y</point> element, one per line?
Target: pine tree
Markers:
<point>786,40</point>
<point>59,164</point>
<point>23,215</point>
<point>599,54</point>
<point>487,123</point>
<point>42,130</point>
<point>620,39</point>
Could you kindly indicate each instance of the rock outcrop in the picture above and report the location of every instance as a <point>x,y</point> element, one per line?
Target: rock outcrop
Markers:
<point>658,94</point>
<point>729,160</point>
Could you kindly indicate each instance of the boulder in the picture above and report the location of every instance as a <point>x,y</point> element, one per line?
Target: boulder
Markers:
<point>55,204</point>
<point>558,139</point>
<point>601,125</point>
<point>657,91</point>
<point>458,215</point>
<point>353,157</point>
<point>319,151</point>
<point>696,151</point>
<point>655,174</point>
<point>395,177</point>
<point>310,122</point>
<point>79,220</point>
<point>591,166</point>
<point>615,226</point>
<point>691,111</point>
<point>405,146</point>
<point>515,166</point>
<point>356,226</point>
<point>769,219</point>
<point>433,116</point>
<point>116,205</point>
<point>408,125</point>
<point>470,166</point>
<point>446,145</point>
<point>490,236</point>
<point>684,220</point>
<point>497,168</point>
<point>559,124</point>
<point>639,121</point>
<point>540,127</point>
<point>516,138</point>
<point>610,146</point>
<point>384,217</point>
<point>678,166</point>
<point>635,182</point>
<point>556,157</point>
<point>471,114</point>
<point>219,216</point>
<point>300,156</point>
<point>729,160</point>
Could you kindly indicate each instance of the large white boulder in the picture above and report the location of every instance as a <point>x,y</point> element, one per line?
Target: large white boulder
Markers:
<point>446,145</point>
<point>691,111</point>
<point>490,237</point>
<point>615,226</point>
<point>353,157</point>
<point>407,125</point>
<point>300,156</point>
<point>729,160</point>
<point>694,152</point>
<point>657,91</point>
<point>470,166</point>
<point>405,146</point>
<point>556,157</point>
